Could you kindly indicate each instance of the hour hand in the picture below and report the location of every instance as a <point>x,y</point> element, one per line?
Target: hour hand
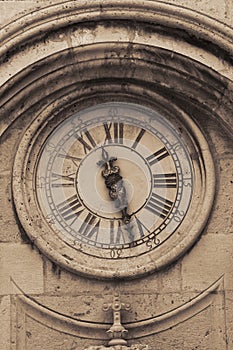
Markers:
<point>105,158</point>
<point>115,184</point>
<point>125,216</point>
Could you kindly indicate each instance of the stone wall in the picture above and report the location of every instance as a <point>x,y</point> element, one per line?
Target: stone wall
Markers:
<point>184,49</point>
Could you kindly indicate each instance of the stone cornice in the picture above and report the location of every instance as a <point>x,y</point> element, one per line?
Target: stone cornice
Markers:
<point>169,20</point>
<point>139,329</point>
<point>157,12</point>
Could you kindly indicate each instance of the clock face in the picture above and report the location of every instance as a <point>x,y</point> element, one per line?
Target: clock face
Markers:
<point>114,190</point>
<point>115,179</point>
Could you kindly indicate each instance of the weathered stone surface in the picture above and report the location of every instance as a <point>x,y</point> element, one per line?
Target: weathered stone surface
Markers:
<point>5,322</point>
<point>119,347</point>
<point>20,266</point>
<point>187,305</point>
<point>212,257</point>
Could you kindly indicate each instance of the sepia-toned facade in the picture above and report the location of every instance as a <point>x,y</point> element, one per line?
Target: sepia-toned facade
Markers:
<point>116,172</point>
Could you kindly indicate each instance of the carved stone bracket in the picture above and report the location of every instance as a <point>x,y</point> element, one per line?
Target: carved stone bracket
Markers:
<point>119,347</point>
<point>25,307</point>
<point>117,331</point>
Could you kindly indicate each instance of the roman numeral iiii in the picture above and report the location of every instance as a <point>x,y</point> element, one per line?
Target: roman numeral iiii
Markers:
<point>159,206</point>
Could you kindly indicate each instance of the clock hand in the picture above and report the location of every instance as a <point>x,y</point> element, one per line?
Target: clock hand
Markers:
<point>115,184</point>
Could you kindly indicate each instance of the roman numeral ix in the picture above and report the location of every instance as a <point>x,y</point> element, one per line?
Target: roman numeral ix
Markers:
<point>59,180</point>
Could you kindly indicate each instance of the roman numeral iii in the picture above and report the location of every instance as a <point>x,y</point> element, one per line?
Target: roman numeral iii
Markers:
<point>165,180</point>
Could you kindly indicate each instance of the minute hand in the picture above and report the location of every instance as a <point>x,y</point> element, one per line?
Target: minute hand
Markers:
<point>115,184</point>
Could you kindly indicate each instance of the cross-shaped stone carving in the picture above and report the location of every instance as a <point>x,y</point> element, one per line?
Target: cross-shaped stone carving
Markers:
<point>117,332</point>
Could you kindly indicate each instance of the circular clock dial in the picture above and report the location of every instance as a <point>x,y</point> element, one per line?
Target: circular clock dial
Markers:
<point>115,190</point>
<point>114,180</point>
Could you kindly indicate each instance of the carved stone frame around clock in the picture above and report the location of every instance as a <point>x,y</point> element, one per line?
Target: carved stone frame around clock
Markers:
<point>105,80</point>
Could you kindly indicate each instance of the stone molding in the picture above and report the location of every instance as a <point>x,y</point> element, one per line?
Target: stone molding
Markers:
<point>129,79</point>
<point>44,34</point>
<point>168,15</point>
<point>29,307</point>
<point>97,71</point>
<point>119,347</point>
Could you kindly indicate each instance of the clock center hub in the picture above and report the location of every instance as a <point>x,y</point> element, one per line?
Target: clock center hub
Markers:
<point>136,177</point>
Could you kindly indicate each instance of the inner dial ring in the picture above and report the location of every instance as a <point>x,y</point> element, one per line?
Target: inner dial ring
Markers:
<point>136,176</point>
<point>155,169</point>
